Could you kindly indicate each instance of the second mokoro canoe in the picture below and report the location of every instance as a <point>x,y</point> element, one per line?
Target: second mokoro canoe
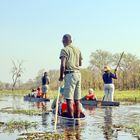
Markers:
<point>35,99</point>
<point>99,103</point>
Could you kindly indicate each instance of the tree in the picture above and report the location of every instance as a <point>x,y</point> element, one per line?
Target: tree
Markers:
<point>1,85</point>
<point>98,60</point>
<point>128,72</point>
<point>16,71</point>
<point>130,67</point>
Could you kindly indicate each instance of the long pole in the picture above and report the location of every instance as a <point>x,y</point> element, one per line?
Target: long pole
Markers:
<point>56,111</point>
<point>119,61</point>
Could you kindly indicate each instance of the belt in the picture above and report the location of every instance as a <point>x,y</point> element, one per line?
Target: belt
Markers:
<point>69,71</point>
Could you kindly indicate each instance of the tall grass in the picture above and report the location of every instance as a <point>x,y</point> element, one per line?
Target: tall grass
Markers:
<point>124,96</point>
<point>14,92</point>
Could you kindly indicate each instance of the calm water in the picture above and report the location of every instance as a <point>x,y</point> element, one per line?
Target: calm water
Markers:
<point>98,124</point>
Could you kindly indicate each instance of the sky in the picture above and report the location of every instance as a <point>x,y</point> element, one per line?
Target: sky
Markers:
<point>31,31</point>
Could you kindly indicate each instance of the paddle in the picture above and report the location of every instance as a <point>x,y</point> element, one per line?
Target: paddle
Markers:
<point>56,111</point>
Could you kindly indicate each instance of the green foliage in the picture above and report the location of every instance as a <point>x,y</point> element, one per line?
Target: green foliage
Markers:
<point>42,136</point>
<point>15,92</point>
<point>12,125</point>
<point>127,96</point>
<point>135,129</point>
<point>20,111</point>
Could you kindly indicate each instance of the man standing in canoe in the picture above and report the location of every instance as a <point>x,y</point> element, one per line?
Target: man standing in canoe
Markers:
<point>71,59</point>
<point>45,82</point>
<point>108,83</point>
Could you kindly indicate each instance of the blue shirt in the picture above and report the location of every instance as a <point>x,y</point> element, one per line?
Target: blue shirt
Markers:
<point>45,80</point>
<point>107,77</point>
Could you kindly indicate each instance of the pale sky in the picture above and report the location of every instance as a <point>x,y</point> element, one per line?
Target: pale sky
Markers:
<point>32,30</point>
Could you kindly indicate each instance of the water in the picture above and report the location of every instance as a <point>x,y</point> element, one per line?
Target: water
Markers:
<point>99,123</point>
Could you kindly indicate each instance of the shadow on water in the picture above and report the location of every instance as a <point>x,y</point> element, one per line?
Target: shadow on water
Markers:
<point>102,123</point>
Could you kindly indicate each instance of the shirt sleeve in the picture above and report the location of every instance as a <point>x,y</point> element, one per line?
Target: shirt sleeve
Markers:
<point>113,75</point>
<point>63,53</point>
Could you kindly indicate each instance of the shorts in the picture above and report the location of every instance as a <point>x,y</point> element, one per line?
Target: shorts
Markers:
<point>72,86</point>
<point>44,89</point>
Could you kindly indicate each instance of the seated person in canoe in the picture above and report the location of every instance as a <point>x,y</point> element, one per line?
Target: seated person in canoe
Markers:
<point>39,93</point>
<point>63,110</point>
<point>33,93</point>
<point>90,96</point>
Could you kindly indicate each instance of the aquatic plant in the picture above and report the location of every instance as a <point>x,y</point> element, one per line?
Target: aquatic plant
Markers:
<point>135,129</point>
<point>41,136</point>
<point>21,111</point>
<point>12,125</point>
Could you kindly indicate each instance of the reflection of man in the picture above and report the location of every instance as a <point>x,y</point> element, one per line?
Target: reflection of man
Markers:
<point>45,82</point>
<point>71,133</point>
<point>70,61</point>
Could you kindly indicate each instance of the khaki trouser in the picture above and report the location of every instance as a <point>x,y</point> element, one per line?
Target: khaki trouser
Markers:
<point>72,86</point>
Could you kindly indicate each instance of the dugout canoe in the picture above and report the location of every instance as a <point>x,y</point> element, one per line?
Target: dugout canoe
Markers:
<point>99,103</point>
<point>34,99</point>
<point>71,121</point>
<point>66,121</point>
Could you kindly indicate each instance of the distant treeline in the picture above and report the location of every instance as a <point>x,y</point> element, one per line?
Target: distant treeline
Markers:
<point>128,73</point>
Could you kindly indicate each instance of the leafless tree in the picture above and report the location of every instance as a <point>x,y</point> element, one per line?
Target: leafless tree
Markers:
<point>16,71</point>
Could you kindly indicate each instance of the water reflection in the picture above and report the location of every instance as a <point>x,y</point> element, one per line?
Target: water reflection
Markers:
<point>44,108</point>
<point>109,132</point>
<point>89,109</point>
<point>72,133</point>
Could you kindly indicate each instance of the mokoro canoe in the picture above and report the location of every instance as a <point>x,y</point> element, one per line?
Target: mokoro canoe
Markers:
<point>71,121</point>
<point>34,99</point>
<point>66,121</point>
<point>99,103</point>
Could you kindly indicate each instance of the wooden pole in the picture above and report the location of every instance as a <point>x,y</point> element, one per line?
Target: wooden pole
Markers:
<point>56,111</point>
<point>119,61</point>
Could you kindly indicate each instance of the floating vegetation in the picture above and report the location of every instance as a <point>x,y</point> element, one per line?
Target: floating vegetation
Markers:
<point>41,136</point>
<point>1,124</point>
<point>11,126</point>
<point>135,129</point>
<point>23,111</point>
<point>118,127</point>
<point>128,103</point>
<point>132,128</point>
